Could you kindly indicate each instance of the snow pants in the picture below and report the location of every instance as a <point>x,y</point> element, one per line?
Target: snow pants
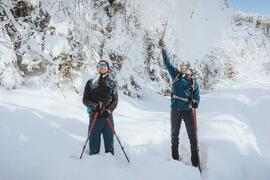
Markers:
<point>176,119</point>
<point>101,127</point>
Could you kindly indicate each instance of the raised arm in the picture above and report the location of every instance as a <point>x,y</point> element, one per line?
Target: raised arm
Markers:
<point>172,70</point>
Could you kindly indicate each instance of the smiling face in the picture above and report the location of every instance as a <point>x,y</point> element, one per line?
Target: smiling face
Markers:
<point>183,69</point>
<point>102,68</point>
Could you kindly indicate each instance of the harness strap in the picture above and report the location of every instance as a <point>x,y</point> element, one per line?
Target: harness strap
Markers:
<point>180,98</point>
<point>176,78</point>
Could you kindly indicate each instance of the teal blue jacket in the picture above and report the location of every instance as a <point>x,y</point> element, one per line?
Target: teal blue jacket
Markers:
<point>182,87</point>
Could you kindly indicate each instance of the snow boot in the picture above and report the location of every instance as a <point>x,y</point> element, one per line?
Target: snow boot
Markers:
<point>195,157</point>
<point>175,154</point>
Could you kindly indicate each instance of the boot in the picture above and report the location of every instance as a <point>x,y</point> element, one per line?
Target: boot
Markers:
<point>195,157</point>
<point>175,154</point>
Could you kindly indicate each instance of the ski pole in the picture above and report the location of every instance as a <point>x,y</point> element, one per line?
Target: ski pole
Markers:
<point>89,133</point>
<point>195,119</point>
<point>165,28</point>
<point>114,132</point>
<point>195,125</point>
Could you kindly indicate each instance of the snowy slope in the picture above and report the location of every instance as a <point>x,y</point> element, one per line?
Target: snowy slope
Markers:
<point>42,134</point>
<point>237,128</point>
<point>43,137</point>
<point>42,131</point>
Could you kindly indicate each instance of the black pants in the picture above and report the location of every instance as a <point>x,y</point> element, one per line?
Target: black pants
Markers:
<point>176,119</point>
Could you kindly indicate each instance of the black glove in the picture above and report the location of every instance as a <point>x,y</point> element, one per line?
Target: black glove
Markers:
<point>106,112</point>
<point>193,103</point>
<point>99,107</point>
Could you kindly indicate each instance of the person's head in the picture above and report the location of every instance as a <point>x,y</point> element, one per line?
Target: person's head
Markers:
<point>103,67</point>
<point>185,70</point>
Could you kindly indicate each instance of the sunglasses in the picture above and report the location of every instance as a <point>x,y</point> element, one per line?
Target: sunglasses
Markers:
<point>101,65</point>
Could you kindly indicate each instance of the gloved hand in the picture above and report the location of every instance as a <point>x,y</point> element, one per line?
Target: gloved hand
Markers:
<point>106,112</point>
<point>161,43</point>
<point>193,103</point>
<point>99,107</point>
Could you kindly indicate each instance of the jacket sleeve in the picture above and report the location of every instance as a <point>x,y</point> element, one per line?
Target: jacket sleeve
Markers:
<point>197,92</point>
<point>172,70</point>
<point>114,101</point>
<point>86,96</point>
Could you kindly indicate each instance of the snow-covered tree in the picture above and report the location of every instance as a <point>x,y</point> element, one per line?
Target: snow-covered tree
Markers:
<point>60,42</point>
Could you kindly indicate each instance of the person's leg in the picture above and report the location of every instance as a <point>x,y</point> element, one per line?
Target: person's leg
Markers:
<point>108,136</point>
<point>94,139</point>
<point>175,128</point>
<point>192,135</point>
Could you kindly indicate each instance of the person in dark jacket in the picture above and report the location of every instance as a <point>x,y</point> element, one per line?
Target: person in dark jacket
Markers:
<point>185,96</point>
<point>101,96</point>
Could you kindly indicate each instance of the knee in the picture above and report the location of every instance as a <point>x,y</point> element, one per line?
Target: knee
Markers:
<point>193,141</point>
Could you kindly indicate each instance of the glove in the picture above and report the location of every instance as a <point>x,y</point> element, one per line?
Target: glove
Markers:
<point>98,108</point>
<point>161,43</point>
<point>106,112</point>
<point>193,103</point>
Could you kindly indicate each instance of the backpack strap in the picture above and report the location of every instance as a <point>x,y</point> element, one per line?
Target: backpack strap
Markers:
<point>176,78</point>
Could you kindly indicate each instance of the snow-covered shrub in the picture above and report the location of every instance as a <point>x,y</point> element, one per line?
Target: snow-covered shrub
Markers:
<point>246,49</point>
<point>60,42</point>
<point>10,76</point>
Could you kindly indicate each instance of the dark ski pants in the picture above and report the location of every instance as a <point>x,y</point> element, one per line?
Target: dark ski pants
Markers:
<point>101,127</point>
<point>176,119</point>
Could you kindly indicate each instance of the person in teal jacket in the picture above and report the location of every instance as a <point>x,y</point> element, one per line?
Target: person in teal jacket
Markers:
<point>185,96</point>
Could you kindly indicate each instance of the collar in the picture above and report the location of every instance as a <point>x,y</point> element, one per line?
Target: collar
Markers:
<point>104,76</point>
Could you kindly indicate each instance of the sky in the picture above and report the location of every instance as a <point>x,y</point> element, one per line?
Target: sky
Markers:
<point>251,6</point>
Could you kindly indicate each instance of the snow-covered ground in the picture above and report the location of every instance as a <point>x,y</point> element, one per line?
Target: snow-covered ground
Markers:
<point>42,133</point>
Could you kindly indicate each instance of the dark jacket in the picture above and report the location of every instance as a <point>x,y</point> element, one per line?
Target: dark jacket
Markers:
<point>100,89</point>
<point>182,87</point>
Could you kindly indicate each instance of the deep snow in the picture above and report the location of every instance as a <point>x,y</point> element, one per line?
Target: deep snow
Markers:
<point>42,133</point>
